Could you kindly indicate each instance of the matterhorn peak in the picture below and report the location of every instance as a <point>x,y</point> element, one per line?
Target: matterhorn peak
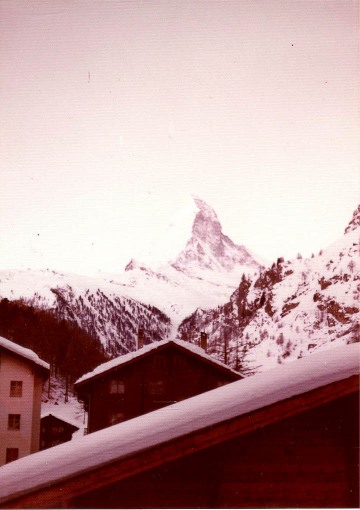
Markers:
<point>206,225</point>
<point>208,248</point>
<point>204,209</point>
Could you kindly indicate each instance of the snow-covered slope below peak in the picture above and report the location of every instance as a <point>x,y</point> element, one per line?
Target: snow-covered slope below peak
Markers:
<point>113,307</point>
<point>175,293</point>
<point>289,311</point>
<point>204,273</point>
<point>97,305</point>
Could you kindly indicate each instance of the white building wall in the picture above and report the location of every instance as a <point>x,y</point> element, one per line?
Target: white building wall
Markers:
<point>35,438</point>
<point>12,368</point>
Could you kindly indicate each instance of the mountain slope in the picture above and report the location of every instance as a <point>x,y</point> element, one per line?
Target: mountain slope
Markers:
<point>94,304</point>
<point>113,307</point>
<point>290,310</point>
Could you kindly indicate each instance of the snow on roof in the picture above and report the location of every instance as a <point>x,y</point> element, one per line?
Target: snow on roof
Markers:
<point>126,358</point>
<point>23,352</point>
<point>128,438</point>
<point>65,420</point>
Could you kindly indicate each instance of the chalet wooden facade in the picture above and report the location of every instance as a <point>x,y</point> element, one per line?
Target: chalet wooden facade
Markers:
<point>307,460</point>
<point>288,438</point>
<point>54,431</point>
<point>155,376</point>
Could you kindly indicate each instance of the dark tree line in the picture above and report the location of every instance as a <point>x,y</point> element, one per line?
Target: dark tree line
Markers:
<point>70,351</point>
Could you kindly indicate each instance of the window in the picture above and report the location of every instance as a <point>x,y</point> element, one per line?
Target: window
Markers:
<point>11,454</point>
<point>57,429</point>
<point>116,417</point>
<point>14,422</point>
<point>16,388</point>
<point>156,387</point>
<point>117,386</point>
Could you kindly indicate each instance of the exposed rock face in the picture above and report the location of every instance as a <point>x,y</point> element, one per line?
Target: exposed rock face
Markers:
<point>289,310</point>
<point>354,222</point>
<point>209,249</point>
<point>114,320</point>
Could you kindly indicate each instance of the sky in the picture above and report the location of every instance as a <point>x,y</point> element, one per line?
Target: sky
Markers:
<point>114,112</point>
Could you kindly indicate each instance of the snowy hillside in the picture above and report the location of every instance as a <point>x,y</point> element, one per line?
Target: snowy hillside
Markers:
<point>55,401</point>
<point>96,305</point>
<point>292,309</point>
<point>113,307</point>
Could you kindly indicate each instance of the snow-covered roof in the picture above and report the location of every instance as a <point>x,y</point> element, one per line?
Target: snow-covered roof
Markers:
<point>126,358</point>
<point>68,422</point>
<point>23,352</point>
<point>208,409</point>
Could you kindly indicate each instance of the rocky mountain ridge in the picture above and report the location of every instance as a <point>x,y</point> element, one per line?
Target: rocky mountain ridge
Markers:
<point>355,221</point>
<point>290,310</point>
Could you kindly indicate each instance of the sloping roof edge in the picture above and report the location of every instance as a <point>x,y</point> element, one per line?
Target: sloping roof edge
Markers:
<point>236,400</point>
<point>67,422</point>
<point>23,352</point>
<point>125,359</point>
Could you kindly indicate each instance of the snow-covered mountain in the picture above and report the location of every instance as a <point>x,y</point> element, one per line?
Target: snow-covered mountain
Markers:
<point>290,310</point>
<point>209,249</point>
<point>113,307</point>
<point>270,314</point>
<point>94,304</point>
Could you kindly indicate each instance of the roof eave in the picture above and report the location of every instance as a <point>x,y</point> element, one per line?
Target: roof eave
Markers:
<point>40,368</point>
<point>139,461</point>
<point>215,364</point>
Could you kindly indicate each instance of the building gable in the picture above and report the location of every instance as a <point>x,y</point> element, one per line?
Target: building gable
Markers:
<point>149,350</point>
<point>77,490</point>
<point>160,377</point>
<point>54,431</point>
<point>26,355</point>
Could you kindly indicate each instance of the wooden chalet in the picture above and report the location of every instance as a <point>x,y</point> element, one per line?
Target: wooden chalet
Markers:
<point>286,438</point>
<point>152,377</point>
<point>54,431</point>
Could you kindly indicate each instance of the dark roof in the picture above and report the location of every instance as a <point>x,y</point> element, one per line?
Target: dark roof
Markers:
<point>134,356</point>
<point>59,420</point>
<point>203,420</point>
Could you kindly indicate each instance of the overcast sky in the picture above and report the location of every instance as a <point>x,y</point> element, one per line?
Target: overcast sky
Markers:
<point>113,112</point>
